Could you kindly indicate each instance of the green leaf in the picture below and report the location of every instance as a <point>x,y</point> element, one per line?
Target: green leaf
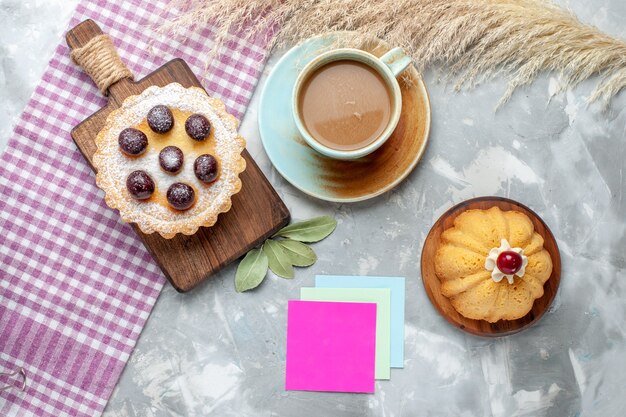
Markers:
<point>299,254</point>
<point>251,270</point>
<point>278,261</point>
<point>312,230</point>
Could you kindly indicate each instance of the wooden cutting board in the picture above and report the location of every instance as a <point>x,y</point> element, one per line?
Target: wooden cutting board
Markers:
<point>257,211</point>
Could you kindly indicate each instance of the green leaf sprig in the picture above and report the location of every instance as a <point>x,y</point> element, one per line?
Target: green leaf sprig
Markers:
<point>280,253</point>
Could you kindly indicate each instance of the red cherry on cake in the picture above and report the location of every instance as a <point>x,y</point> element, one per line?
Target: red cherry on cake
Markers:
<point>171,159</point>
<point>198,127</point>
<point>132,142</point>
<point>140,185</point>
<point>180,196</point>
<point>509,262</point>
<point>205,168</point>
<point>160,119</point>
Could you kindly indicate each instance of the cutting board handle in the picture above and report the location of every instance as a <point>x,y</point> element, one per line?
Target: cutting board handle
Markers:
<point>94,51</point>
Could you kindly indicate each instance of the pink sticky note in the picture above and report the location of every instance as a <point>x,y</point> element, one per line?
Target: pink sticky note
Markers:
<point>331,346</point>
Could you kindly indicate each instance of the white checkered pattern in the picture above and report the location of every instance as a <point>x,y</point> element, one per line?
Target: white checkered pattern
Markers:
<point>76,284</point>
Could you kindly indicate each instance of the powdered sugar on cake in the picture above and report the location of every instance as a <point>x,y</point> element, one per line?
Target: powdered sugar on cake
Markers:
<point>113,166</point>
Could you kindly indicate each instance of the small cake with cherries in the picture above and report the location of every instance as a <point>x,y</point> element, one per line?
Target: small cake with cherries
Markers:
<point>492,265</point>
<point>169,160</point>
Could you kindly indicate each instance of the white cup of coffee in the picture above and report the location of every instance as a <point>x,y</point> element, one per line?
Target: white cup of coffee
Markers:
<point>347,102</point>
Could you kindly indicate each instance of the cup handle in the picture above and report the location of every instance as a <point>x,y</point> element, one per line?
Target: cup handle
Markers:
<point>396,60</point>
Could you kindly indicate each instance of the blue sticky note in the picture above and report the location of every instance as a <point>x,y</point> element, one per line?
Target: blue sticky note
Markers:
<point>396,285</point>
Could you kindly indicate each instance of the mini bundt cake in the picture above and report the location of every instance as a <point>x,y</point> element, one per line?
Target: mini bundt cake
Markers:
<point>482,248</point>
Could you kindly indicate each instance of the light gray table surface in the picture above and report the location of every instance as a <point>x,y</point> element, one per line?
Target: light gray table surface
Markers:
<point>216,352</point>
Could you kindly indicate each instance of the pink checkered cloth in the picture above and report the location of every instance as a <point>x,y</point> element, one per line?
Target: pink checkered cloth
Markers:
<point>76,284</point>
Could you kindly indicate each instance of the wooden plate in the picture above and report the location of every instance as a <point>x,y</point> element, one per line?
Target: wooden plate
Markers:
<point>443,305</point>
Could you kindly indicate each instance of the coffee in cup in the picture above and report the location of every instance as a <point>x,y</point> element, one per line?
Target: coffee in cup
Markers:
<point>347,102</point>
<point>345,105</point>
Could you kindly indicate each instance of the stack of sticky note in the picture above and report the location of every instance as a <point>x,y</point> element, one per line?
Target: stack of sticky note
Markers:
<point>345,333</point>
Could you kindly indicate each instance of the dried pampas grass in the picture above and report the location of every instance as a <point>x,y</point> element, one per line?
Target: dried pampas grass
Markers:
<point>472,40</point>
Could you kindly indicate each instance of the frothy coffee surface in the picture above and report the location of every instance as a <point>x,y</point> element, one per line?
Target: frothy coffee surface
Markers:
<point>345,105</point>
